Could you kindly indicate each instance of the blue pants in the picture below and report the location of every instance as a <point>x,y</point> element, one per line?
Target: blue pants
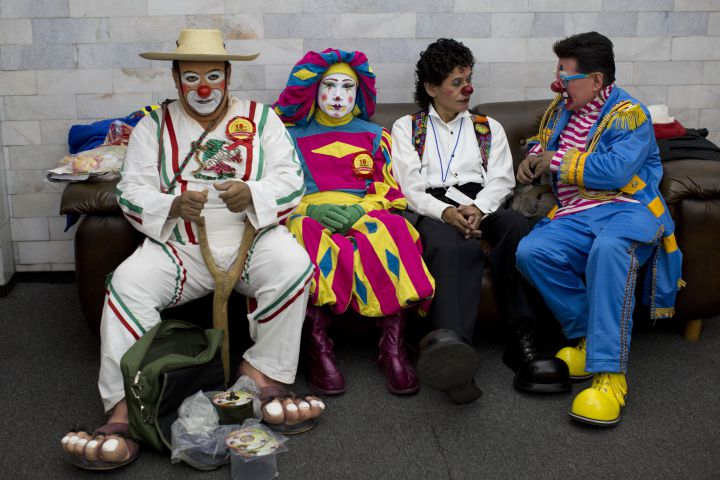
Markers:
<point>585,266</point>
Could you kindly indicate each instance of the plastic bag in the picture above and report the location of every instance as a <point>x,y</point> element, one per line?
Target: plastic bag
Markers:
<point>197,437</point>
<point>253,451</point>
<point>118,133</point>
<point>101,163</point>
<point>105,158</point>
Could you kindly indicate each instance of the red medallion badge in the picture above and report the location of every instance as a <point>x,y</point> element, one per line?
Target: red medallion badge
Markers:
<point>363,165</point>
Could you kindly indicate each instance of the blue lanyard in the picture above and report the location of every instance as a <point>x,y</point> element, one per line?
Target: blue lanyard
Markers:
<point>444,173</point>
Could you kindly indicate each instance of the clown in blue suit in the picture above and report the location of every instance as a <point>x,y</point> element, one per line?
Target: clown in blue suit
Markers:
<point>597,144</point>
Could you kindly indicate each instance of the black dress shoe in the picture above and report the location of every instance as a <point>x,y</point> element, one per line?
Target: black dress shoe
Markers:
<point>448,364</point>
<point>535,373</point>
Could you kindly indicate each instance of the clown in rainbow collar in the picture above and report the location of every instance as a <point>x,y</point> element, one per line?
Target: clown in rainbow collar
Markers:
<point>366,258</point>
<point>227,160</point>
<point>598,147</point>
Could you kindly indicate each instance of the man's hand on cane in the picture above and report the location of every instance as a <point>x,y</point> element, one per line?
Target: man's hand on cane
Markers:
<point>236,195</point>
<point>188,205</point>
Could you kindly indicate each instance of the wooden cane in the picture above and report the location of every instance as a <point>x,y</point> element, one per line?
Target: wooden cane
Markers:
<point>225,281</point>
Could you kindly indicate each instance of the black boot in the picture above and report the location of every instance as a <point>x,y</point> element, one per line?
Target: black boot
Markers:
<point>449,364</point>
<point>534,373</point>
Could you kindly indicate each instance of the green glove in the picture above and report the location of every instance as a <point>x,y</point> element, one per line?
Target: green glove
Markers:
<point>352,215</point>
<point>329,215</point>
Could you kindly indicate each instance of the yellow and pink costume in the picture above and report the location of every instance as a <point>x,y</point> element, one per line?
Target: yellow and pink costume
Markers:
<point>376,265</point>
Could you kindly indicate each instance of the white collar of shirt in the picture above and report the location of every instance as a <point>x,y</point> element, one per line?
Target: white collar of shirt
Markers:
<point>432,112</point>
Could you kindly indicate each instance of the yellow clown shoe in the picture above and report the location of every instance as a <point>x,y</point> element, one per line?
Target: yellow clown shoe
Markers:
<point>600,404</point>
<point>575,359</point>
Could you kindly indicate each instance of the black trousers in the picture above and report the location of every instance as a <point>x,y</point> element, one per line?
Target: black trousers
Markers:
<point>458,265</point>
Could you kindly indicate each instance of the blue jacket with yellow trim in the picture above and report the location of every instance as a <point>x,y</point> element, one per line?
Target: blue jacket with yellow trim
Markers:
<point>622,157</point>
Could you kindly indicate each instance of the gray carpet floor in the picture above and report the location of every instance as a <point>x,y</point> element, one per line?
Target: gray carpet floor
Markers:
<point>670,428</point>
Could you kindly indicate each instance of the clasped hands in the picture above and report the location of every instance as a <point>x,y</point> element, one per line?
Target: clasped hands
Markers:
<point>336,218</point>
<point>189,204</point>
<point>534,166</point>
<point>465,218</point>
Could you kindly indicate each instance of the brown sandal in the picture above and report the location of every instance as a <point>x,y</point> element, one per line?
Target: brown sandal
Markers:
<point>101,435</point>
<point>279,393</point>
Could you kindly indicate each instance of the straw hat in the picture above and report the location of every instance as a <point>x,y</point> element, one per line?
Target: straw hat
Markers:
<point>199,45</point>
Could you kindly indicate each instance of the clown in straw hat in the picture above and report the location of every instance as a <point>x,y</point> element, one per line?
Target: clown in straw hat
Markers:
<point>227,161</point>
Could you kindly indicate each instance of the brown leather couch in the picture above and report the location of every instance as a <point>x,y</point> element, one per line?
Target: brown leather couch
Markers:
<point>691,189</point>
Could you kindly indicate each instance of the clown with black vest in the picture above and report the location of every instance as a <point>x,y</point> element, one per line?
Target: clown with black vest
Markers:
<point>598,147</point>
<point>455,168</point>
<point>214,156</point>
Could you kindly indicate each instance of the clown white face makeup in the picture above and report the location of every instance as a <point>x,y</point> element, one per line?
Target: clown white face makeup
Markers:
<point>336,95</point>
<point>203,85</point>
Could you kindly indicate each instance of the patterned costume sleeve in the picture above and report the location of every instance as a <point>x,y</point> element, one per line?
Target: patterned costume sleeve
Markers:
<point>139,194</point>
<point>627,142</point>
<point>386,194</point>
<point>278,188</point>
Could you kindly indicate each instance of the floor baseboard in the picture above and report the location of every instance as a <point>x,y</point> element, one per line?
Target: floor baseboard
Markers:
<point>36,277</point>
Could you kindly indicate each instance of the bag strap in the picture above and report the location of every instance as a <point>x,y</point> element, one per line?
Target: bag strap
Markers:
<point>193,145</point>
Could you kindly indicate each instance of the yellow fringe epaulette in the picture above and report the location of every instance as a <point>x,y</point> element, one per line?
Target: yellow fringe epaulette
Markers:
<point>545,133</point>
<point>628,116</point>
<point>664,313</point>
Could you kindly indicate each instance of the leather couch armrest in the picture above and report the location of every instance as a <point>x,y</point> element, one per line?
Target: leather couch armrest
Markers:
<point>96,198</point>
<point>690,179</point>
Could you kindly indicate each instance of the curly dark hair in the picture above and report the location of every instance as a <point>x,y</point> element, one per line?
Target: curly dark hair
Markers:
<point>592,51</point>
<point>437,62</point>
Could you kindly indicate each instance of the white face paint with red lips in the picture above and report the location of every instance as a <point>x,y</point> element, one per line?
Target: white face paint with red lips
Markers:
<point>203,92</point>
<point>336,95</point>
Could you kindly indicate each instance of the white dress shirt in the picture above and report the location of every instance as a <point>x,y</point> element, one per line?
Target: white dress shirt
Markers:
<point>437,170</point>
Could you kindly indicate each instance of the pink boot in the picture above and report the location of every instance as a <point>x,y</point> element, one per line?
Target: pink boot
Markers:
<point>399,372</point>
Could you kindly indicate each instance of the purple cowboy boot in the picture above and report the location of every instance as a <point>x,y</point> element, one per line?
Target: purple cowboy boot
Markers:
<point>399,373</point>
<point>322,374</point>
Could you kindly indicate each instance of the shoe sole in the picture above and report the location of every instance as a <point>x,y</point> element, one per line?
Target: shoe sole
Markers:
<point>447,366</point>
<point>542,387</point>
<point>322,391</point>
<point>580,378</point>
<point>593,421</point>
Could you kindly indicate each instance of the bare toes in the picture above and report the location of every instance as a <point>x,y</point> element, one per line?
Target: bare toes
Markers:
<point>292,412</point>
<point>304,412</point>
<point>273,412</point>
<point>114,449</point>
<point>92,449</point>
<point>77,443</point>
<point>317,406</point>
<point>68,442</point>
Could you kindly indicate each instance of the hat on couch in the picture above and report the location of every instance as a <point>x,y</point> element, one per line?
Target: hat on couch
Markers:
<point>664,125</point>
<point>204,45</point>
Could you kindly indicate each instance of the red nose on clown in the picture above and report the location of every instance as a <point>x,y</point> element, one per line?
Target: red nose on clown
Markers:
<point>203,91</point>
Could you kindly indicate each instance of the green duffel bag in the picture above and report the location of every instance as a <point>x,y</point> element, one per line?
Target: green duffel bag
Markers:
<point>166,365</point>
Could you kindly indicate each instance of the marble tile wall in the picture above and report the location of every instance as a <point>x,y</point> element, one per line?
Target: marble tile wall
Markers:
<point>64,62</point>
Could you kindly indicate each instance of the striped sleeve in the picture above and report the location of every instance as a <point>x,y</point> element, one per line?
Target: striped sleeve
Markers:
<point>138,193</point>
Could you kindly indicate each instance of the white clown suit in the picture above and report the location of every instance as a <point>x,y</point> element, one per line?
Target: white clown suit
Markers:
<point>250,144</point>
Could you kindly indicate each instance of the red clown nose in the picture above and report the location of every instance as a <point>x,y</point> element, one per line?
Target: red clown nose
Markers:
<point>556,86</point>
<point>467,90</point>
<point>204,91</point>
